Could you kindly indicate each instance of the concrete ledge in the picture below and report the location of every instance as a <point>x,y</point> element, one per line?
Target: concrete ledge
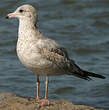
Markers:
<point>12,102</point>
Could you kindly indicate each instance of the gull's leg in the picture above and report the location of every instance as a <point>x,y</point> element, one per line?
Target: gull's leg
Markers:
<point>46,87</point>
<point>45,101</point>
<point>37,83</point>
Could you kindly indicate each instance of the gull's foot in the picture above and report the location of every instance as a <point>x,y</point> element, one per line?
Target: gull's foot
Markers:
<point>44,102</point>
<point>38,100</point>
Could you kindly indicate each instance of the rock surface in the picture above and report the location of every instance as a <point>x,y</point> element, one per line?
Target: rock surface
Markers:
<point>12,102</point>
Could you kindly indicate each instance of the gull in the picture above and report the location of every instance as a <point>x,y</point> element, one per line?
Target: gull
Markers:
<point>42,55</point>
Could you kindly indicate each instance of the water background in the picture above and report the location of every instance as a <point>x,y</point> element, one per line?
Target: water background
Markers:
<point>82,27</point>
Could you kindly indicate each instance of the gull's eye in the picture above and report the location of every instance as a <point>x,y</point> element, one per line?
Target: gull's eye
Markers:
<point>21,10</point>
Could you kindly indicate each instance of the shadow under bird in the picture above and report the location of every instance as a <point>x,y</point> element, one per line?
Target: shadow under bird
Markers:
<point>42,55</point>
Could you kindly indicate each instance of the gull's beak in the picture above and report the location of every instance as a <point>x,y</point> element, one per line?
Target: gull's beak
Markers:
<point>10,15</point>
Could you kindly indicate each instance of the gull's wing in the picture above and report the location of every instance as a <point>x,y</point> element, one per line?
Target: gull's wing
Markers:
<point>52,52</point>
<point>52,46</point>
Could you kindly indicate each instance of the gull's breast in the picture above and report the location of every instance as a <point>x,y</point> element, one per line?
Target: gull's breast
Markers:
<point>28,54</point>
<point>31,58</point>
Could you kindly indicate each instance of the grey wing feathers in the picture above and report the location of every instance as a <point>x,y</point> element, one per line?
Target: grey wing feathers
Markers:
<point>58,55</point>
<point>61,51</point>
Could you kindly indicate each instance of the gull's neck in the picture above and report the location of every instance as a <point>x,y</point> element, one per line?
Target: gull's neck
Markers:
<point>28,30</point>
<point>26,24</point>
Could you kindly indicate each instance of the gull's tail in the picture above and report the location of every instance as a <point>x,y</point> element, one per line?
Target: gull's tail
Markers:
<point>77,71</point>
<point>93,74</point>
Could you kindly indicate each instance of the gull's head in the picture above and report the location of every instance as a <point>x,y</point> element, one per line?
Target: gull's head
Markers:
<point>24,12</point>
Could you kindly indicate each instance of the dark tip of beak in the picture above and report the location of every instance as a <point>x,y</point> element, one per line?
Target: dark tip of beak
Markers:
<point>7,17</point>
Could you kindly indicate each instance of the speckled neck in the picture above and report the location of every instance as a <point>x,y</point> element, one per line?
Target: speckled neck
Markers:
<point>28,30</point>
